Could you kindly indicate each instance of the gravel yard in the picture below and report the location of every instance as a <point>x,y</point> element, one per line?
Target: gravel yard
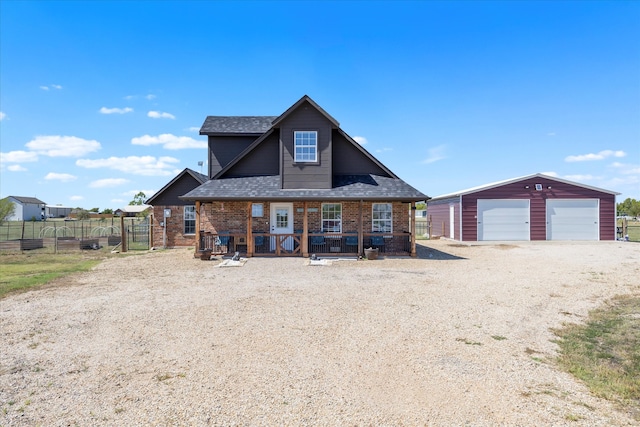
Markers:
<point>459,336</point>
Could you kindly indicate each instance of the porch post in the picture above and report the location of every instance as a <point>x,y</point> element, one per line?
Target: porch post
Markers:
<point>249,231</point>
<point>360,233</point>
<point>413,229</point>
<point>305,231</point>
<point>197,225</point>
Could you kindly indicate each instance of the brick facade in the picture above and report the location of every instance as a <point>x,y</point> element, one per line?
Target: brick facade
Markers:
<point>231,217</point>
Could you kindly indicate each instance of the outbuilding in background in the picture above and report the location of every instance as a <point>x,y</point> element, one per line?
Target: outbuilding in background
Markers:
<point>533,207</point>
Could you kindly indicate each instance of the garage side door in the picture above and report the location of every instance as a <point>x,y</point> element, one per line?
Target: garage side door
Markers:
<point>503,219</point>
<point>573,219</point>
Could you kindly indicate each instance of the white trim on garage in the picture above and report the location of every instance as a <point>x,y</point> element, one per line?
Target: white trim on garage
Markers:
<point>503,219</point>
<point>573,219</point>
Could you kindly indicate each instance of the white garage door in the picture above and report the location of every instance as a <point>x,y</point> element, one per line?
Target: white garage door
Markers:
<point>571,219</point>
<point>503,219</point>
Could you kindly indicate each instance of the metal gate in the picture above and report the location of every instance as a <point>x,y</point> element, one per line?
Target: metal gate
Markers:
<point>138,235</point>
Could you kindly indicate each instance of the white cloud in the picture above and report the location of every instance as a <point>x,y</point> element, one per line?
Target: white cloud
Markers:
<point>626,168</point>
<point>434,154</point>
<point>18,156</point>
<point>169,141</point>
<point>105,110</point>
<point>553,174</point>
<point>194,129</point>
<point>595,156</point>
<point>74,198</point>
<point>150,97</point>
<point>383,150</point>
<point>58,87</point>
<point>16,168</point>
<point>62,146</point>
<point>62,177</point>
<point>551,134</point>
<point>44,87</point>
<point>2,116</point>
<point>160,115</point>
<point>108,182</point>
<point>360,140</point>
<point>135,165</point>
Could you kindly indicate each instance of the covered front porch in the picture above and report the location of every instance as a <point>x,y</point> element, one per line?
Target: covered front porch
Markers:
<point>304,228</point>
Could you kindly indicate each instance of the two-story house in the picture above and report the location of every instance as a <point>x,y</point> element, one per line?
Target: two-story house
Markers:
<point>294,184</point>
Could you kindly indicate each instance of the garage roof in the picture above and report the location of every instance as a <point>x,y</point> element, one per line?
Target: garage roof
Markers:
<point>509,181</point>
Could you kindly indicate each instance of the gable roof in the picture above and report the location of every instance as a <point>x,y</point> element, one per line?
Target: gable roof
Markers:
<point>302,100</point>
<point>196,175</point>
<point>258,141</point>
<point>512,180</point>
<point>345,187</point>
<point>237,125</point>
<point>28,200</point>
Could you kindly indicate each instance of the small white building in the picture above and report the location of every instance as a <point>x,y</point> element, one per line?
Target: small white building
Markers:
<point>27,209</point>
<point>132,210</point>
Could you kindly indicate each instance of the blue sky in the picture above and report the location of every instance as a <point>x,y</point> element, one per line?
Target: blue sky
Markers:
<point>101,100</point>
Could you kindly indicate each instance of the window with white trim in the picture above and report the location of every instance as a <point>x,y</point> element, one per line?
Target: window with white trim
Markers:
<point>305,146</point>
<point>189,220</point>
<point>331,218</point>
<point>382,218</point>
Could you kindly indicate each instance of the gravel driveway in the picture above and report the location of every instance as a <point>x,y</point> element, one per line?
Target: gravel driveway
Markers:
<point>459,336</point>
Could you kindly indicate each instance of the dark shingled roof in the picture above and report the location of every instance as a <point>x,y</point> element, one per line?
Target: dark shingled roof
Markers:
<point>220,125</point>
<point>347,187</point>
<point>29,200</point>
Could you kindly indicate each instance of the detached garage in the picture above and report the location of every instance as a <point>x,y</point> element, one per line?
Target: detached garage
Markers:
<point>534,207</point>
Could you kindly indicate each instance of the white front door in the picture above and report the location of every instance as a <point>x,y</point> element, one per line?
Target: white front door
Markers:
<point>282,223</point>
<point>452,220</point>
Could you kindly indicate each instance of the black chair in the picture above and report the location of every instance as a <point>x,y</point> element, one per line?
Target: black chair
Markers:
<point>317,243</point>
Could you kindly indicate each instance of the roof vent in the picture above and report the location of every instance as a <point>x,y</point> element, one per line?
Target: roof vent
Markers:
<point>538,187</point>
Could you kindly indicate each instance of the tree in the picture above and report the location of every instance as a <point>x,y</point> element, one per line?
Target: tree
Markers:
<point>82,214</point>
<point>96,210</point>
<point>7,209</point>
<point>138,199</point>
<point>107,211</point>
<point>630,207</point>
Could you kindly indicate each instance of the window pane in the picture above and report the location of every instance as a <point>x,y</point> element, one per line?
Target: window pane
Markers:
<point>306,146</point>
<point>332,217</point>
<point>189,220</point>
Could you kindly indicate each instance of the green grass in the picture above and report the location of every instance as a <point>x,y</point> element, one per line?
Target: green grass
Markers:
<point>605,352</point>
<point>22,272</point>
<point>633,230</point>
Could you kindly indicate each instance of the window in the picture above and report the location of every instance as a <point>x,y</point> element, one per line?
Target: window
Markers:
<point>189,220</point>
<point>332,217</point>
<point>305,146</point>
<point>381,218</point>
<point>257,210</point>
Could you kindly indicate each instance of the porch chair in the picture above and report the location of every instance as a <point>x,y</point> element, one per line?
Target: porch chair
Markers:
<point>317,244</point>
<point>377,242</point>
<point>258,243</point>
<point>350,241</point>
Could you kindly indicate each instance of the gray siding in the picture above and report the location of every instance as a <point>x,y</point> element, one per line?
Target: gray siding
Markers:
<point>262,160</point>
<point>306,175</point>
<point>223,149</point>
<point>348,160</point>
<point>182,186</point>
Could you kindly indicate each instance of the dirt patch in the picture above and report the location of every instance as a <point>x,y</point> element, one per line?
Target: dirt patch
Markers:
<point>458,336</point>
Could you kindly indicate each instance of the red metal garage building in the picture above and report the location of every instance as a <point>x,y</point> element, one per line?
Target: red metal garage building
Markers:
<point>534,207</point>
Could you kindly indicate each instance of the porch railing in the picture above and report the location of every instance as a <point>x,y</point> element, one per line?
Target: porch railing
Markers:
<point>317,243</point>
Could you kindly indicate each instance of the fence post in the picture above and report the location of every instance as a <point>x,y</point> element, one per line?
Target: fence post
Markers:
<point>123,235</point>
